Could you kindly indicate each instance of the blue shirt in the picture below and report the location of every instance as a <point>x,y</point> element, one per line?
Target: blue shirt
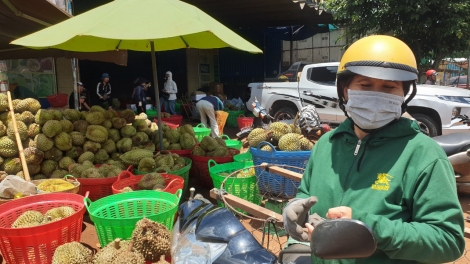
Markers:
<point>139,94</point>
<point>215,101</point>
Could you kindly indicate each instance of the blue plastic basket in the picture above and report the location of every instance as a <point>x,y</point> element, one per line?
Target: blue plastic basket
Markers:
<point>272,183</point>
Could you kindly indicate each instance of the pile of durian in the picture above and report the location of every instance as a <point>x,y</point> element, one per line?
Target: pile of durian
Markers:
<point>212,147</point>
<point>181,138</point>
<point>150,181</point>
<point>150,243</point>
<point>245,173</point>
<point>33,218</point>
<point>284,137</point>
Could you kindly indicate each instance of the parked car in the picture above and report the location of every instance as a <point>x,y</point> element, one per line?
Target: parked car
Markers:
<point>458,81</point>
<point>435,106</point>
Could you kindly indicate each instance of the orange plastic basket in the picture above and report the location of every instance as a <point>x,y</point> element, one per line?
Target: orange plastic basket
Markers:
<point>97,188</point>
<point>200,166</point>
<point>36,245</point>
<point>57,100</point>
<point>128,179</point>
<point>221,117</point>
<point>244,121</point>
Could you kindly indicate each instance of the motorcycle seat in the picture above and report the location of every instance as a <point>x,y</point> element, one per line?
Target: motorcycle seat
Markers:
<point>454,143</point>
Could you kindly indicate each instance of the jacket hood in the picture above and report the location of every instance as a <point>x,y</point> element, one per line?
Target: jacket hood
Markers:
<point>402,127</point>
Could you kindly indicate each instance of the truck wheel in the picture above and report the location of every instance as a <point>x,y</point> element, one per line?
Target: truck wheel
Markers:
<point>427,123</point>
<point>284,113</point>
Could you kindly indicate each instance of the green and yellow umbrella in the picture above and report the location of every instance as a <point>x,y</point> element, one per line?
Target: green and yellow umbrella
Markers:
<point>140,25</point>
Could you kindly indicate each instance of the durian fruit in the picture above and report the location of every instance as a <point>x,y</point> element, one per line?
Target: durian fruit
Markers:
<point>72,253</point>
<point>152,239</point>
<point>29,218</point>
<point>128,254</point>
<point>140,138</point>
<point>8,147</point>
<point>173,135</point>
<point>42,142</point>
<point>53,154</point>
<point>3,102</point>
<point>166,144</point>
<point>279,129</point>
<point>133,157</point>
<point>32,105</point>
<point>305,144</point>
<point>22,130</point>
<point>48,167</point>
<point>107,124</point>
<point>96,133</point>
<point>12,166</point>
<point>59,174</point>
<point>33,155</point>
<point>148,146</point>
<point>72,115</point>
<point>114,134</point>
<point>289,142</point>
<point>164,160</point>
<point>162,260</point>
<point>140,124</point>
<point>209,143</point>
<point>78,139</point>
<point>51,128</point>
<point>265,136</point>
<point>255,133</point>
<point>67,126</point>
<point>87,155</point>
<point>101,156</point>
<point>108,170</point>
<point>57,114</point>
<point>80,126</point>
<point>198,151</point>
<point>33,130</point>
<point>58,213</point>
<point>128,115</point>
<point>128,131</point>
<point>91,146</point>
<point>186,129</point>
<point>127,189</point>
<point>147,165</point>
<point>267,148</point>
<point>74,152</point>
<point>124,145</point>
<point>34,168</point>
<point>187,141</point>
<point>3,129</point>
<point>39,177</point>
<point>174,146</point>
<point>220,152</point>
<point>109,146</point>
<point>76,170</point>
<point>95,118</point>
<point>42,116</point>
<point>27,117</point>
<point>151,180</point>
<point>63,141</point>
<point>221,142</point>
<point>118,122</point>
<point>108,253</point>
<point>92,173</point>
<point>65,162</point>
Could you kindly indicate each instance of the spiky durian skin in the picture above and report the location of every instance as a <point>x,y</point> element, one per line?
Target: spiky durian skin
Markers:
<point>289,142</point>
<point>72,253</point>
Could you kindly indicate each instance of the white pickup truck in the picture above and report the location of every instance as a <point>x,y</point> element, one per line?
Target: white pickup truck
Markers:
<point>435,106</point>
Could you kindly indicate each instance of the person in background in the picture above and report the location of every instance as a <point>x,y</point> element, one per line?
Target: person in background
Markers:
<point>81,92</point>
<point>207,107</point>
<point>20,92</point>
<point>103,90</point>
<point>170,88</point>
<point>82,105</point>
<point>431,77</point>
<point>139,96</point>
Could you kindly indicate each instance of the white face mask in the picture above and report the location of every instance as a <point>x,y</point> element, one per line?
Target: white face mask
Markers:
<point>373,110</point>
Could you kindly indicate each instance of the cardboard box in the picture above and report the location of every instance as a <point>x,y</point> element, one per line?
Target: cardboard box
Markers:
<point>217,88</point>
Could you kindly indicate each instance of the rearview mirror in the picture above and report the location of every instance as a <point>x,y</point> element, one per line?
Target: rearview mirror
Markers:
<point>342,239</point>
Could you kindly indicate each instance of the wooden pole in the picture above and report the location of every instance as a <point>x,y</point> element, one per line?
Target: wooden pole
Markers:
<point>18,139</point>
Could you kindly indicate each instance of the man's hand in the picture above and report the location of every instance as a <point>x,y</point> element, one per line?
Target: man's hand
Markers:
<point>295,216</point>
<point>339,212</point>
<point>140,103</point>
<point>309,230</point>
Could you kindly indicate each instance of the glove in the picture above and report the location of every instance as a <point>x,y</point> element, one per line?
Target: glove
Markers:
<point>140,103</point>
<point>295,216</point>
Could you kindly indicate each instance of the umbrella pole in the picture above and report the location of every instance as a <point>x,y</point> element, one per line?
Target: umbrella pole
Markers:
<point>157,95</point>
<point>75,88</point>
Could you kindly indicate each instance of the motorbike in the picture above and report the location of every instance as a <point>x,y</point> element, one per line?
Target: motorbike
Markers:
<point>205,233</point>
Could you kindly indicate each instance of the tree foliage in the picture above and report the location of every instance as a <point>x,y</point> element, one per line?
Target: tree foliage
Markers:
<point>433,29</point>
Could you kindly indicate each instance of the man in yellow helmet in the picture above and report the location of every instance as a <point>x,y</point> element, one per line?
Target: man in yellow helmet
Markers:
<point>377,167</point>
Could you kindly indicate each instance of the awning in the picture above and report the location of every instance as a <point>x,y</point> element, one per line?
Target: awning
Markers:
<point>22,17</point>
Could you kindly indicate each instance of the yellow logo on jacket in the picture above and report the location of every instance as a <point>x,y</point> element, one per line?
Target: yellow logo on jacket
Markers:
<point>382,182</point>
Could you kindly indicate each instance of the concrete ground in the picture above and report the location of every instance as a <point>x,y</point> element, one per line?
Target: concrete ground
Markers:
<point>90,238</point>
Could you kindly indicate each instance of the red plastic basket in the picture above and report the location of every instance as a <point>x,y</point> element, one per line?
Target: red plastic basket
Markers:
<point>175,119</point>
<point>244,121</point>
<point>171,125</point>
<point>36,245</point>
<point>202,170</point>
<point>57,100</point>
<point>97,188</point>
<point>128,179</point>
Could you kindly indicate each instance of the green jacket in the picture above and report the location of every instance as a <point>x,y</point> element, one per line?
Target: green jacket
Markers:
<point>400,183</point>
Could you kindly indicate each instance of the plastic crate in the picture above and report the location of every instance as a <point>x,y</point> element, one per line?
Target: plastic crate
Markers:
<point>232,118</point>
<point>201,131</point>
<point>232,143</point>
<point>273,183</point>
<point>200,164</point>
<point>57,100</point>
<point>245,188</point>
<point>115,216</point>
<point>36,245</point>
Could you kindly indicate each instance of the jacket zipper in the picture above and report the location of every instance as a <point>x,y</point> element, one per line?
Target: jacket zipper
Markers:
<point>356,151</point>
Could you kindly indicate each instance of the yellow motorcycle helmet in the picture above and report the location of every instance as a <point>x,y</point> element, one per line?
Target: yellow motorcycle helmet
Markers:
<point>381,57</point>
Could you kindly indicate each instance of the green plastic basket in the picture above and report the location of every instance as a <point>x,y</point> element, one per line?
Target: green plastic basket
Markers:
<point>232,143</point>
<point>151,112</point>
<point>232,118</point>
<point>245,188</point>
<point>243,157</point>
<point>115,216</point>
<point>184,172</point>
<point>201,131</point>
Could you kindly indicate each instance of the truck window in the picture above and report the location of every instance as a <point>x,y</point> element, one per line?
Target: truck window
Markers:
<point>323,75</point>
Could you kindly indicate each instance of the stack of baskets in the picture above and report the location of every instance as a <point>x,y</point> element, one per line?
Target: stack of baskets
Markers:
<point>274,184</point>
<point>200,165</point>
<point>201,131</point>
<point>245,188</point>
<point>128,179</point>
<point>232,118</point>
<point>37,244</point>
<point>115,216</point>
